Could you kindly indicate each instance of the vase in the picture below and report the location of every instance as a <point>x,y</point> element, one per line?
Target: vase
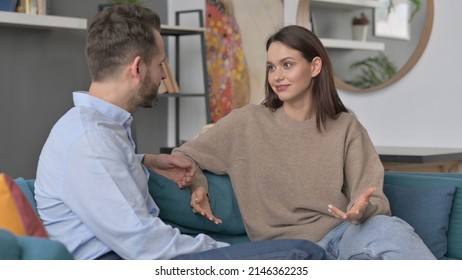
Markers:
<point>360,32</point>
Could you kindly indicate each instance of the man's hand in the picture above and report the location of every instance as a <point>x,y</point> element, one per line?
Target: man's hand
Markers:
<point>200,204</point>
<point>356,212</point>
<point>177,169</point>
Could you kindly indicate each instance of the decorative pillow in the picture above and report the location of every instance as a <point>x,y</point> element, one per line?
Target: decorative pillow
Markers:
<point>426,209</point>
<point>16,213</point>
<point>406,179</point>
<point>175,209</point>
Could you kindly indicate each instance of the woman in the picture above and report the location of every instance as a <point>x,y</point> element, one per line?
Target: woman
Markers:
<point>301,165</point>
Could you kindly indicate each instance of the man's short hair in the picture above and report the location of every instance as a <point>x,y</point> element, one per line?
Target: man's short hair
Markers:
<point>117,35</point>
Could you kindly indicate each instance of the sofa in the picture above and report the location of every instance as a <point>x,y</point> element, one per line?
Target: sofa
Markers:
<point>430,202</point>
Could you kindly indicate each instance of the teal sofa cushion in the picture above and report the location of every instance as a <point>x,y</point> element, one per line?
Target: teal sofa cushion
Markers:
<point>34,248</point>
<point>30,248</point>
<point>411,202</point>
<point>454,232</point>
<point>175,209</point>
<point>9,247</point>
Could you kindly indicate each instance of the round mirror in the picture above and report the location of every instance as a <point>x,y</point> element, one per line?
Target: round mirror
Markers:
<point>385,54</point>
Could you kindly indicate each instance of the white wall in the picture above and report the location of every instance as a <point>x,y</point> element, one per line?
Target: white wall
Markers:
<point>423,109</point>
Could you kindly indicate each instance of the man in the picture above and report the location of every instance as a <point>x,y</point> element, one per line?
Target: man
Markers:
<point>91,187</point>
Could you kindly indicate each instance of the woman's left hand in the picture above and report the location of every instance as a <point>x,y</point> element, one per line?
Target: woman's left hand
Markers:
<point>200,204</point>
<point>177,169</point>
<point>356,212</point>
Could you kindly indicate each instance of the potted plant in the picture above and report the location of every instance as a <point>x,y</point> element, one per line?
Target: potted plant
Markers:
<point>373,71</point>
<point>417,4</point>
<point>360,26</point>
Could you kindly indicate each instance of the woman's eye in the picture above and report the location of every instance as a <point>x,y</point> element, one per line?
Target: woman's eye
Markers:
<point>287,65</point>
<point>270,68</point>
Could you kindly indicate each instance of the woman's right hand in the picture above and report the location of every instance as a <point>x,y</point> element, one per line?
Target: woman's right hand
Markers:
<point>355,214</point>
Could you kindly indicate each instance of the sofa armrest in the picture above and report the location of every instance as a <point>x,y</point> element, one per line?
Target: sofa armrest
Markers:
<point>14,247</point>
<point>36,248</point>
<point>175,209</point>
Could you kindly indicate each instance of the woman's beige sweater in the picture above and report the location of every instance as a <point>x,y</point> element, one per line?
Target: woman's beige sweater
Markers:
<point>285,172</point>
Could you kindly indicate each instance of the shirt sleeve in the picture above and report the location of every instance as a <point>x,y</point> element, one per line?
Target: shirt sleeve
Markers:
<point>364,169</point>
<point>140,157</point>
<point>107,189</point>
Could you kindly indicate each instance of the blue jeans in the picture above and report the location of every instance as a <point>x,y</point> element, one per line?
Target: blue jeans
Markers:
<point>378,238</point>
<point>284,249</point>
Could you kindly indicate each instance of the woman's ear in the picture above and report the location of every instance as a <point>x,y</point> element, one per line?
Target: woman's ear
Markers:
<point>316,66</point>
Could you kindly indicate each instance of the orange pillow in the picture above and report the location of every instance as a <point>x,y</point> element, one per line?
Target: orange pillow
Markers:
<point>16,213</point>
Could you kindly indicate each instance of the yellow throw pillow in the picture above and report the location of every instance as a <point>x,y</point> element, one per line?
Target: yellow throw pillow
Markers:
<point>16,213</point>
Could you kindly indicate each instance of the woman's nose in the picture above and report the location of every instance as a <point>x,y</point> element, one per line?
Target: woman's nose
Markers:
<point>277,75</point>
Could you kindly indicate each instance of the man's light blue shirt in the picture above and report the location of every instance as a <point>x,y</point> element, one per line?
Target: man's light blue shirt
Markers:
<point>92,192</point>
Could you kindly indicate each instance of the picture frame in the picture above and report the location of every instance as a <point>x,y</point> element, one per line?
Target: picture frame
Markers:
<point>391,19</point>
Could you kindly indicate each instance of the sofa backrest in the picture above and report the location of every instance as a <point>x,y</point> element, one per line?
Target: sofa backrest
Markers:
<point>27,187</point>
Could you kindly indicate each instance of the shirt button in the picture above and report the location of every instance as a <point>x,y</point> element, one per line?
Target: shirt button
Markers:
<point>132,203</point>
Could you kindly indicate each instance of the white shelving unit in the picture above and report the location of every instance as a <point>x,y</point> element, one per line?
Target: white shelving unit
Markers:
<point>346,4</point>
<point>352,44</point>
<point>181,30</point>
<point>41,21</point>
<point>349,5</point>
<point>178,31</point>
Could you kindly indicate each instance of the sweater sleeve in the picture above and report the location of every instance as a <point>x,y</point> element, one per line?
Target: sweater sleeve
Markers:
<point>214,149</point>
<point>364,169</point>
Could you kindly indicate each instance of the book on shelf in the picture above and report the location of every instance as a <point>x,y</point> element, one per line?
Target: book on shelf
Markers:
<point>162,88</point>
<point>169,82</point>
<point>42,7</point>
<point>33,7</point>
<point>8,5</point>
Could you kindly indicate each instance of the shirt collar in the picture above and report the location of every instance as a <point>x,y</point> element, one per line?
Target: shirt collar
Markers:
<point>109,110</point>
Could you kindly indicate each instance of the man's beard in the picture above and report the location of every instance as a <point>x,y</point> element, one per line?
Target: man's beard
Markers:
<point>148,92</point>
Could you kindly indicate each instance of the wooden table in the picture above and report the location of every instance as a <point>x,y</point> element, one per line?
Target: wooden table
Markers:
<point>414,159</point>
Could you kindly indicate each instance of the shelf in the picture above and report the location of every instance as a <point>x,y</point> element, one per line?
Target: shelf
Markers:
<point>346,4</point>
<point>41,21</point>
<point>175,30</point>
<point>352,44</point>
<point>178,31</point>
<point>170,95</point>
<point>418,155</point>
